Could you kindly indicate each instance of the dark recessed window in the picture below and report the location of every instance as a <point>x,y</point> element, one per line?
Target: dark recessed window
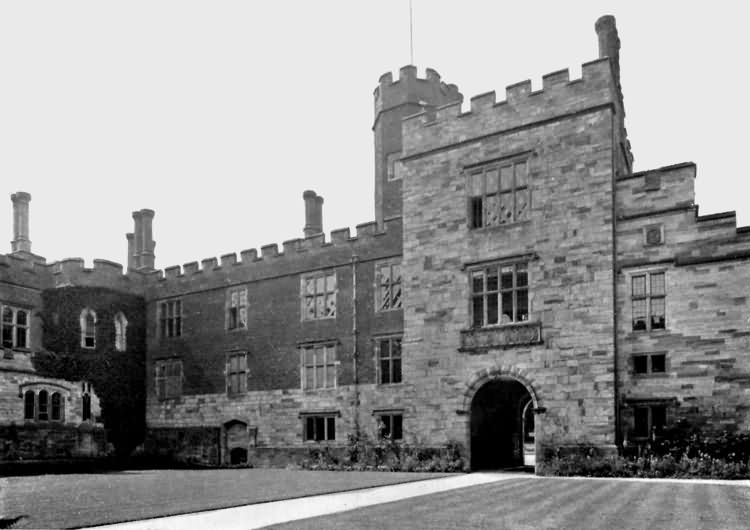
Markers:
<point>649,420</point>
<point>320,428</point>
<point>650,363</point>
<point>391,426</point>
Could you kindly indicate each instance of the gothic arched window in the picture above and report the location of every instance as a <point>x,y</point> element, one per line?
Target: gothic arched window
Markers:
<point>29,407</point>
<point>88,328</point>
<point>121,332</point>
<point>57,407</point>
<point>43,406</point>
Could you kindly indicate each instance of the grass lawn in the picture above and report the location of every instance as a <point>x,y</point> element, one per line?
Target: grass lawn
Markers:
<point>555,503</point>
<point>64,501</point>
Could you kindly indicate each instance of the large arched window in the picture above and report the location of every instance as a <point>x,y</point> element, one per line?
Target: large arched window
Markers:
<point>29,399</point>
<point>121,332</point>
<point>88,328</point>
<point>43,406</point>
<point>57,407</point>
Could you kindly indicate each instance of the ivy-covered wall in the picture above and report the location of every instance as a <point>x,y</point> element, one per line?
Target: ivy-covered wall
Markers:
<point>117,376</point>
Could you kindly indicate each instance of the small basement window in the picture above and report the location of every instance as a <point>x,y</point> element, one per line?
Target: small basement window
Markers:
<point>652,363</point>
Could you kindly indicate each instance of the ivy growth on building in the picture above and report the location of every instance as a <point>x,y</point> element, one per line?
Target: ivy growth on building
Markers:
<point>117,376</point>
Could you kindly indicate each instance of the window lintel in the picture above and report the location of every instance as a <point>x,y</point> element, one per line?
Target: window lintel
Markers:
<point>323,412</point>
<point>388,412</point>
<point>505,260</point>
<point>510,158</point>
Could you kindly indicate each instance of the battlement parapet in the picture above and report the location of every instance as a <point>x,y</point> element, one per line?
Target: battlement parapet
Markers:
<point>410,88</point>
<point>445,125</point>
<point>299,255</point>
<point>104,273</point>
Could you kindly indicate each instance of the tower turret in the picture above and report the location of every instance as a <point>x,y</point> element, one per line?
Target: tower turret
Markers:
<point>393,101</point>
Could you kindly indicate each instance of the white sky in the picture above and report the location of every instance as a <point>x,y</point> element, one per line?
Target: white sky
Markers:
<point>218,114</point>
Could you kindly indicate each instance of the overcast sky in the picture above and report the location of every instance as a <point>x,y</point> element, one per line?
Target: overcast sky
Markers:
<point>218,115</point>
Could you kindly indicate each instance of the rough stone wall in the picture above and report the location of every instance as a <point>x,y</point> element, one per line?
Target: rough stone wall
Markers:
<point>32,439</point>
<point>566,131</point>
<point>705,261</point>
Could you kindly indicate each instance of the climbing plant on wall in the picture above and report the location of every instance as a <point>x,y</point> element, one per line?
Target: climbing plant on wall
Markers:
<point>117,376</point>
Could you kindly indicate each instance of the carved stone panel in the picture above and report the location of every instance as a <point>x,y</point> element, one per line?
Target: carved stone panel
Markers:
<point>482,339</point>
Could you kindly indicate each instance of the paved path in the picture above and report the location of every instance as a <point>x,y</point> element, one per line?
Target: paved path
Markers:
<point>264,514</point>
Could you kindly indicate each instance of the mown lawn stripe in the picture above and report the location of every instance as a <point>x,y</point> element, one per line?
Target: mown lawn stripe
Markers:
<point>551,495</point>
<point>568,514</point>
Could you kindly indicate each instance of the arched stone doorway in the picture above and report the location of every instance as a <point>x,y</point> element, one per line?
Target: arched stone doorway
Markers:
<point>502,425</point>
<point>237,440</point>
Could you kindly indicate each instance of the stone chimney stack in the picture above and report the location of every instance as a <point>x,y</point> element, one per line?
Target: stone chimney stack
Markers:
<point>141,243</point>
<point>609,43</point>
<point>137,239</point>
<point>21,241</point>
<point>147,255</point>
<point>131,251</point>
<point>313,213</point>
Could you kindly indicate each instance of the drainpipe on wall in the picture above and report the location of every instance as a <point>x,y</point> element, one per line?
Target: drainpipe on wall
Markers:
<point>615,352</point>
<point>355,350</point>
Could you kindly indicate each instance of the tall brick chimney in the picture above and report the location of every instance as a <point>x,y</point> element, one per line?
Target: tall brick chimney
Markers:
<point>609,42</point>
<point>21,241</point>
<point>313,213</point>
<point>141,243</point>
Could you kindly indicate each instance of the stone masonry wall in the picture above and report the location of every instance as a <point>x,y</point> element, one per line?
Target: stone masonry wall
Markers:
<point>566,131</point>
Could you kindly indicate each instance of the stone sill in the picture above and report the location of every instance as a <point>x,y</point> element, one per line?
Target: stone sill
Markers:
<point>493,228</point>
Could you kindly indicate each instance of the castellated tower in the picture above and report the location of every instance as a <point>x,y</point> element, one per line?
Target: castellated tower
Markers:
<point>395,100</point>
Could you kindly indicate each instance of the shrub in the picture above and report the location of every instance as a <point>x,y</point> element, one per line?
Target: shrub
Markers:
<point>384,454</point>
<point>651,466</point>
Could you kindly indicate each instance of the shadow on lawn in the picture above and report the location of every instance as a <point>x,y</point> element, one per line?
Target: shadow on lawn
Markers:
<point>90,466</point>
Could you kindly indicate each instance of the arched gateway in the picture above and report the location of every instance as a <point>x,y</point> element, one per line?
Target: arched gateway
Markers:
<point>502,422</point>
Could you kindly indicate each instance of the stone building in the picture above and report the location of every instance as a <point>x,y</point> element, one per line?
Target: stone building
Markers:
<point>520,291</point>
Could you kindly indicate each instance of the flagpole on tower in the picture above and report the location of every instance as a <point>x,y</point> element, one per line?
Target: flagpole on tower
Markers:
<point>411,36</point>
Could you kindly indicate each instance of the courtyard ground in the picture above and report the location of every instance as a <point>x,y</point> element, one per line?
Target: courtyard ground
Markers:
<point>75,500</point>
<point>560,503</point>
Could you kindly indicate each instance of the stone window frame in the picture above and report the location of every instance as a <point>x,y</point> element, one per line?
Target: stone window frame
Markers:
<point>14,335</point>
<point>45,405</point>
<point>238,373</point>
<point>319,426</point>
<point>390,424</point>
<point>389,359</point>
<point>170,318</point>
<point>389,292</point>
<point>168,386</point>
<point>647,299</point>
<point>121,331</point>
<point>486,180</point>
<point>392,172</point>
<point>88,323</point>
<point>499,292</point>
<point>329,364</point>
<point>236,308</point>
<point>312,292</point>
<point>648,367</point>
<point>654,415</point>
